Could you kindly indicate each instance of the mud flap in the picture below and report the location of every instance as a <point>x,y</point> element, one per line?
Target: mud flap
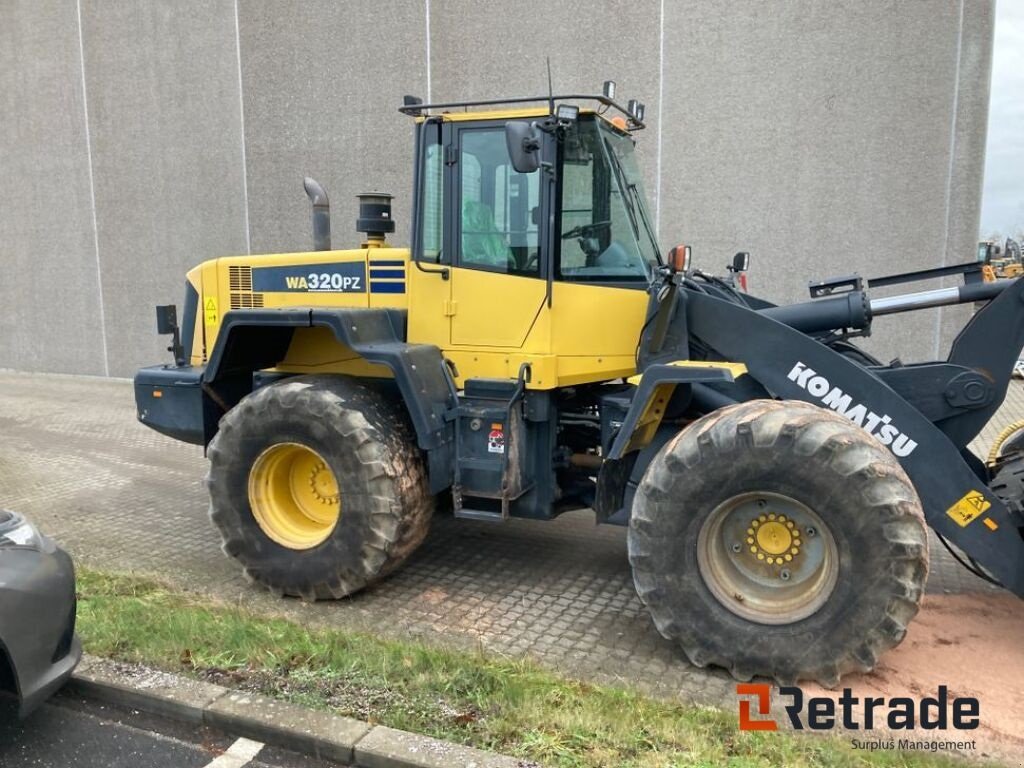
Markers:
<point>791,365</point>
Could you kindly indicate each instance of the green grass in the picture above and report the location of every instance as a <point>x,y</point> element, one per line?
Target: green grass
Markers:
<point>485,701</point>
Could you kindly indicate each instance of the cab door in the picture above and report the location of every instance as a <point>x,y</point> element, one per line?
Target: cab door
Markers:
<point>495,238</point>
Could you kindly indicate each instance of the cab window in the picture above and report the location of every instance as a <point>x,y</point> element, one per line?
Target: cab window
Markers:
<point>606,231</point>
<point>498,217</point>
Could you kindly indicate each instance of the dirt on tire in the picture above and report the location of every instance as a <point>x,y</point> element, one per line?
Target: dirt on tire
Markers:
<point>368,444</point>
<point>805,453</point>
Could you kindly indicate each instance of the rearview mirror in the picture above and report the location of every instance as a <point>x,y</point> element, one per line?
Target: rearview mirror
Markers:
<point>166,319</point>
<point>523,146</point>
<point>740,262</point>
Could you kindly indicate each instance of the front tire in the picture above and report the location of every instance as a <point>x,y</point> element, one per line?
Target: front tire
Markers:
<point>779,539</point>
<point>317,487</point>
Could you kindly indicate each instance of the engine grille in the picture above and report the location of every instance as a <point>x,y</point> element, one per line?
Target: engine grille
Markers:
<point>240,286</point>
<point>240,278</point>
<point>246,300</point>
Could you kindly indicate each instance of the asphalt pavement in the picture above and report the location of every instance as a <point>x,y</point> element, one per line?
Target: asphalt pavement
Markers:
<point>71,732</point>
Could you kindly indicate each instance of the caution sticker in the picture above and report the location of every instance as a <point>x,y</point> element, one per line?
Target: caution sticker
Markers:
<point>210,310</point>
<point>972,505</point>
<point>496,439</point>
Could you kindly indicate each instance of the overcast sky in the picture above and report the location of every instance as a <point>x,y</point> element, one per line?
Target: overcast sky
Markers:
<point>1002,207</point>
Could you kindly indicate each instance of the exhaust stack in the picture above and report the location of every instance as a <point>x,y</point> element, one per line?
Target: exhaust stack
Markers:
<point>321,214</point>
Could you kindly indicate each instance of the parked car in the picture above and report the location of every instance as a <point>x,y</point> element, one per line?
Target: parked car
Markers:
<point>38,646</point>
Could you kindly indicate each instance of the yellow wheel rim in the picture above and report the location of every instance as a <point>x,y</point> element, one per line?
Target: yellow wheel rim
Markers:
<point>294,495</point>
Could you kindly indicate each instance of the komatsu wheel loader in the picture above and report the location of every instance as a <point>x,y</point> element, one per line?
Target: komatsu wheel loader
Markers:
<point>533,350</point>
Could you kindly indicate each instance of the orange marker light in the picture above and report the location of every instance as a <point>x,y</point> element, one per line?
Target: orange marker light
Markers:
<point>679,258</point>
<point>157,393</point>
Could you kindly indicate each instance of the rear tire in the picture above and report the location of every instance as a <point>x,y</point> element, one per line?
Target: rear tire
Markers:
<point>367,506</point>
<point>853,582</point>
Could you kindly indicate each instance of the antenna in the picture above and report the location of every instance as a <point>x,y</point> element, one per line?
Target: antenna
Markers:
<point>551,90</point>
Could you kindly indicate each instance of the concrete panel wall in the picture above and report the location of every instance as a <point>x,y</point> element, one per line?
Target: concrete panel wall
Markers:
<point>165,125</point>
<point>49,292</point>
<point>823,137</point>
<point>322,85</point>
<point>815,136</point>
<point>492,48</point>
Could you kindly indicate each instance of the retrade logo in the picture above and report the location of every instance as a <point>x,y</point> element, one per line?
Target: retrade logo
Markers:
<point>763,692</point>
<point>818,713</point>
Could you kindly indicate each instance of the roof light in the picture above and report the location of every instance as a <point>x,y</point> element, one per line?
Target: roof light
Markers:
<point>567,113</point>
<point>641,109</point>
<point>609,89</point>
<point>632,107</point>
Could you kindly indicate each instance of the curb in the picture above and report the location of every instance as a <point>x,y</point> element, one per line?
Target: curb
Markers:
<point>312,732</point>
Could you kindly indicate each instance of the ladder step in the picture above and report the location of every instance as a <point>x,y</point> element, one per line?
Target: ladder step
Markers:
<point>479,514</point>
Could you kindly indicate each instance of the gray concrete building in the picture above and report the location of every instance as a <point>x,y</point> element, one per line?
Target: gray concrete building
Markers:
<point>140,138</point>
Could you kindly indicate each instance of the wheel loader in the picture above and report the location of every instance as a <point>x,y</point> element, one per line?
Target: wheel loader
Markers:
<point>534,350</point>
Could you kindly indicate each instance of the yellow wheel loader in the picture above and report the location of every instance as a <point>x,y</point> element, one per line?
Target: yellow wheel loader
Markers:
<point>534,350</point>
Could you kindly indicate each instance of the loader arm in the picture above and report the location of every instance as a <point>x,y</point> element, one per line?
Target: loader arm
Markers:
<point>791,365</point>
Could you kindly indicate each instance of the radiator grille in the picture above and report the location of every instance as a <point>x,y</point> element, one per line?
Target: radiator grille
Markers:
<point>246,300</point>
<point>240,278</point>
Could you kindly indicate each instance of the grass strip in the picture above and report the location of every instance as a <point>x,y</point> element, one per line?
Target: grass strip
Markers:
<point>482,700</point>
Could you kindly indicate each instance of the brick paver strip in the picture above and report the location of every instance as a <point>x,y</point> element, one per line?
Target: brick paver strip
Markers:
<point>120,496</point>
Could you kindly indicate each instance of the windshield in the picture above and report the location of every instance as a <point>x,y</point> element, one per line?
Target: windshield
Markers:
<point>606,231</point>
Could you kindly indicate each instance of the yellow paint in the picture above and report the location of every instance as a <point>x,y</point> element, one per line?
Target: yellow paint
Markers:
<point>991,524</point>
<point>494,309</point>
<point>774,538</point>
<point>524,113</point>
<point>736,369</point>
<point>972,505</point>
<point>294,495</point>
<point>316,350</point>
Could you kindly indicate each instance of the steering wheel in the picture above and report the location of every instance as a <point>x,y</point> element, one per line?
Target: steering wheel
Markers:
<point>586,230</point>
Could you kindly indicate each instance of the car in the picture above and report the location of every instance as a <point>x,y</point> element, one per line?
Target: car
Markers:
<point>38,646</point>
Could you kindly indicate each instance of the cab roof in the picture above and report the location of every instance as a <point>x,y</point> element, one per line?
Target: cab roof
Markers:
<point>503,109</point>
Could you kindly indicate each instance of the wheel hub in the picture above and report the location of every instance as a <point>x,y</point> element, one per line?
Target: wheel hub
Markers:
<point>773,539</point>
<point>767,557</point>
<point>294,495</point>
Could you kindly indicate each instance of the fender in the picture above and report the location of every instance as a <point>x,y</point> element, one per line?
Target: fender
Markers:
<point>655,387</point>
<point>377,335</point>
<point>251,340</point>
<point>791,365</point>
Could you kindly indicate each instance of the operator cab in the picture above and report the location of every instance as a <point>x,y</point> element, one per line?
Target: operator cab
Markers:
<point>549,193</point>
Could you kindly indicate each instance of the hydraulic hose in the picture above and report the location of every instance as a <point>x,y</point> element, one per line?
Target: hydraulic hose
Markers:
<point>1000,441</point>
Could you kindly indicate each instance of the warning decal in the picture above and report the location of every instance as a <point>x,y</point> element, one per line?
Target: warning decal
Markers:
<point>496,440</point>
<point>210,310</point>
<point>972,505</point>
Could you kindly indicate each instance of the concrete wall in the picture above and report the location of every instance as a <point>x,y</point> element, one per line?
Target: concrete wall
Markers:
<point>141,138</point>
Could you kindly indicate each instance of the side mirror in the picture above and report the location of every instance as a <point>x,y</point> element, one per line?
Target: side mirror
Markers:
<point>166,319</point>
<point>167,324</point>
<point>740,262</point>
<point>523,146</point>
